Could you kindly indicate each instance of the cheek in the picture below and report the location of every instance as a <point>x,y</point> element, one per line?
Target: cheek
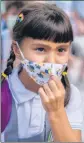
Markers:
<point>33,56</point>
<point>63,58</point>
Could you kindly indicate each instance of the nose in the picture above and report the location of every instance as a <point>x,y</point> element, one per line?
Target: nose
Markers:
<point>50,58</point>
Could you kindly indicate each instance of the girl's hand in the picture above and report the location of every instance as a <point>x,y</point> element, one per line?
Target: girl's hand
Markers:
<point>52,95</point>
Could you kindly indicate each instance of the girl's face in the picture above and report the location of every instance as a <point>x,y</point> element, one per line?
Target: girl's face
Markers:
<point>44,51</point>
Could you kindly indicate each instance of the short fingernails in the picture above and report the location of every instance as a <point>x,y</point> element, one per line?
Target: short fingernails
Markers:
<point>52,76</point>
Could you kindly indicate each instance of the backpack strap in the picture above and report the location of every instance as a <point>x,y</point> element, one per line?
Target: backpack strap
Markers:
<point>6,104</point>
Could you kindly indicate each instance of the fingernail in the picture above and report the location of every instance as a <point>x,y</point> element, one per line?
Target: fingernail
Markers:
<point>52,76</point>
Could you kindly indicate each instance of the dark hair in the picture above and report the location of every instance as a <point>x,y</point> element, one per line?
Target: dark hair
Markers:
<point>43,21</point>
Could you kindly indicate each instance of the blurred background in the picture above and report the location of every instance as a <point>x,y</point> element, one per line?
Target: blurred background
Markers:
<point>75,11</point>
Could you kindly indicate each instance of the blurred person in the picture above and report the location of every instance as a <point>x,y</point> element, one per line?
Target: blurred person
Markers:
<point>37,98</point>
<point>75,70</point>
<point>3,10</point>
<point>5,47</point>
<point>12,8</point>
<point>78,7</point>
<point>9,15</point>
<point>76,64</point>
<point>78,43</point>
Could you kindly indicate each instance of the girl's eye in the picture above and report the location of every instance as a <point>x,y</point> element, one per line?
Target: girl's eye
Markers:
<point>40,49</point>
<point>61,50</point>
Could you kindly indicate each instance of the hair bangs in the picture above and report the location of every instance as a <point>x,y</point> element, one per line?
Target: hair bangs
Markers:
<point>59,31</point>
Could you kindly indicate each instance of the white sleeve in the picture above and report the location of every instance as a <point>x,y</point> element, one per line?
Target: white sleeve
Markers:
<point>74,109</point>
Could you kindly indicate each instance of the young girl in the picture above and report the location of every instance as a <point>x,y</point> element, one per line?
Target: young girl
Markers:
<point>38,103</point>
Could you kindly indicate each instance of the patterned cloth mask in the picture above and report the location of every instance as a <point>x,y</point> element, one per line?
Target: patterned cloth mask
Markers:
<point>41,72</point>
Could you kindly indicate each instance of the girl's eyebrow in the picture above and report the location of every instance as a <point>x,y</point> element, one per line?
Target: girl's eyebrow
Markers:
<point>42,45</point>
<point>57,46</point>
<point>63,45</point>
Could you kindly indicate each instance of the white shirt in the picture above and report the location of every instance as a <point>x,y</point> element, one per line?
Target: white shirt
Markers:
<point>31,114</point>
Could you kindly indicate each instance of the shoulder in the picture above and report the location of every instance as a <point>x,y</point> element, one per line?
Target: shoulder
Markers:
<point>75,94</point>
<point>75,98</point>
<point>74,108</point>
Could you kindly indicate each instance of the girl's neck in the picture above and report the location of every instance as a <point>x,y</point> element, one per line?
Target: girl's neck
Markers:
<point>28,82</point>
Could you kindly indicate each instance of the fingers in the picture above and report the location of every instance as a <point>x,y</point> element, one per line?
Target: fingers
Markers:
<point>58,83</point>
<point>45,100</point>
<point>52,85</point>
<point>49,93</point>
<point>47,90</point>
<point>52,95</point>
<point>44,97</point>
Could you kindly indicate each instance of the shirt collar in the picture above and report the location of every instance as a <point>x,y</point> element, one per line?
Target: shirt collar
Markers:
<point>19,92</point>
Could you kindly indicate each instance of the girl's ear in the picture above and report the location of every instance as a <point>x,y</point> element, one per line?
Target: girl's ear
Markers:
<point>16,50</point>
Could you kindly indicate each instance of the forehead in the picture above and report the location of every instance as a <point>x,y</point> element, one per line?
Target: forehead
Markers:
<point>30,41</point>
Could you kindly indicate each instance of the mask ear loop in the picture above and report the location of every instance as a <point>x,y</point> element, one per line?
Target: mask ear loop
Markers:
<point>20,50</point>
